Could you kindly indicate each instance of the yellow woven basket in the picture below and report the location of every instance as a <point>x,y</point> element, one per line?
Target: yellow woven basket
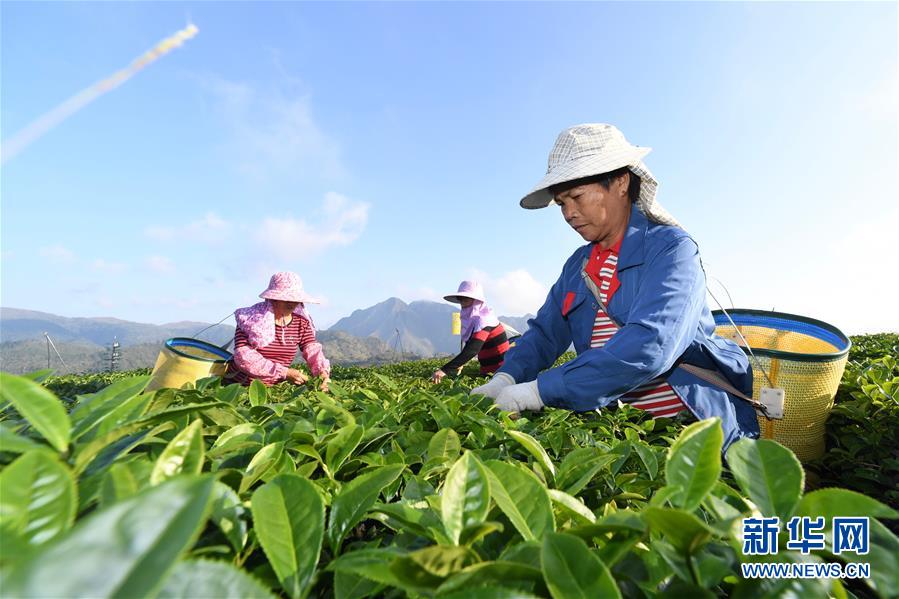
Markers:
<point>183,360</point>
<point>804,357</point>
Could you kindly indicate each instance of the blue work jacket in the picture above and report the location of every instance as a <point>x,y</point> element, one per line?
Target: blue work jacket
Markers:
<point>661,307</point>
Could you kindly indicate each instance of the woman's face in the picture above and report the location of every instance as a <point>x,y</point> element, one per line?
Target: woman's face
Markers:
<point>283,308</point>
<point>596,213</point>
<point>465,301</point>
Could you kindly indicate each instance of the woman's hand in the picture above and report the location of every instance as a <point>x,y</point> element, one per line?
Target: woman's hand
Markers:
<point>437,376</point>
<point>296,377</point>
<point>325,380</point>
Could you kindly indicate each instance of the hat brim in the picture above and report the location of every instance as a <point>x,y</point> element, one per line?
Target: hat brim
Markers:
<point>586,166</point>
<point>454,298</point>
<point>302,298</point>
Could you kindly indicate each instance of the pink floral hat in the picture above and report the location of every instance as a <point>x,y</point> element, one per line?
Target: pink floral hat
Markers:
<point>287,287</point>
<point>469,289</point>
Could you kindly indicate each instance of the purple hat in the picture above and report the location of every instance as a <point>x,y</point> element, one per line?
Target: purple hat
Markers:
<point>287,287</point>
<point>469,289</point>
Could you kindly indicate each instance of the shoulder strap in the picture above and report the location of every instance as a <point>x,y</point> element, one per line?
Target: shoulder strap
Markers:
<point>710,376</point>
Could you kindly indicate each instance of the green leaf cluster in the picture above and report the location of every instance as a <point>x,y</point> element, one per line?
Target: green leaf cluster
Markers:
<point>389,486</point>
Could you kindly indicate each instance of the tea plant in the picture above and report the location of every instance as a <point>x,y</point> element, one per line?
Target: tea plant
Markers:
<point>863,429</point>
<point>389,486</point>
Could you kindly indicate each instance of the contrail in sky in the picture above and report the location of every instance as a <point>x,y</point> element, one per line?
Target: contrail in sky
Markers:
<point>36,129</point>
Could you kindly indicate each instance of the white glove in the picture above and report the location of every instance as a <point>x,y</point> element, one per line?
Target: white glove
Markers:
<point>491,388</point>
<point>518,398</point>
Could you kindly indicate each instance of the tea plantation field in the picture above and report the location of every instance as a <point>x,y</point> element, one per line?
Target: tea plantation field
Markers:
<point>389,486</point>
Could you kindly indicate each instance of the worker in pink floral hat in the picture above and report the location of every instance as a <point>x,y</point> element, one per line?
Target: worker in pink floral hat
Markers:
<point>483,335</point>
<point>269,333</point>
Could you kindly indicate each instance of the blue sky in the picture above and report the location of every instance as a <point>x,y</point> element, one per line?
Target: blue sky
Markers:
<point>380,149</point>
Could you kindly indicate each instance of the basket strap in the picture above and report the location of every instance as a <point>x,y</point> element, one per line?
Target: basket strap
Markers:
<point>710,376</point>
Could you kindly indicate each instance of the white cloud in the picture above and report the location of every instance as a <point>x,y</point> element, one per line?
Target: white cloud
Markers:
<point>211,228</point>
<point>271,131</point>
<point>420,293</point>
<point>105,266</point>
<point>514,293</point>
<point>57,254</point>
<point>293,239</point>
<point>159,233</point>
<point>159,264</point>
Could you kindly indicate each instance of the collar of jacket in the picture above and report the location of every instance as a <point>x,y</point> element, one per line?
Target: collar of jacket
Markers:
<point>633,246</point>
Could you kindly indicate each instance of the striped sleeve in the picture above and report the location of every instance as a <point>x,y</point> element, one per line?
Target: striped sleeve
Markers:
<point>312,350</point>
<point>253,363</point>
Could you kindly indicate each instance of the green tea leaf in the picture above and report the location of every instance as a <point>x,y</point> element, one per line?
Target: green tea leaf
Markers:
<point>444,445</point>
<point>573,507</point>
<point>350,586</point>
<point>39,407</point>
<point>342,446</point>
<point>289,519</point>
<point>571,570</point>
<point>121,551</point>
<point>402,516</point>
<point>580,466</point>
<point>230,515</point>
<point>264,459</point>
<point>534,448</point>
<point>475,532</point>
<point>466,496</point>
<point>386,381</point>
<point>522,498</point>
<point>102,451</point>
<point>373,564</point>
<point>38,499</point>
<point>39,376</point>
<point>258,393</point>
<point>92,410</point>
<point>183,455</point>
<point>191,579</point>
<point>883,552</point>
<point>118,483</point>
<point>506,575</point>
<point>648,457</point>
<point>10,442</point>
<point>440,560</point>
<point>355,499</point>
<point>237,438</point>
<point>623,521</point>
<point>685,531</point>
<point>769,474</point>
<point>694,462</point>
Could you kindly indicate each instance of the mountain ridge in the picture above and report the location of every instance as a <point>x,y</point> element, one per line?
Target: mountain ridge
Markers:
<point>389,331</point>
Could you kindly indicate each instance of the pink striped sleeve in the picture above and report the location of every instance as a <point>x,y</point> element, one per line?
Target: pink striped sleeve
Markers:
<point>312,350</point>
<point>255,364</point>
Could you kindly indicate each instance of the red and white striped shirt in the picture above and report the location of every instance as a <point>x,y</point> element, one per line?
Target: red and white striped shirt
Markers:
<point>656,396</point>
<point>283,350</point>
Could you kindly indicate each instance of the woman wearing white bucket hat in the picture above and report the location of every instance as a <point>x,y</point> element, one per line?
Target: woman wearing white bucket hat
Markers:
<point>632,300</point>
<point>483,335</point>
<point>269,333</point>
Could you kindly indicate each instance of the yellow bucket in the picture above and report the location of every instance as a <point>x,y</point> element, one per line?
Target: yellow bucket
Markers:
<point>804,357</point>
<point>183,360</point>
<point>457,323</point>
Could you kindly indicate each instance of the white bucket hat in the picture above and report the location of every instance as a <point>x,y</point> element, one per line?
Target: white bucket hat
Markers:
<point>595,149</point>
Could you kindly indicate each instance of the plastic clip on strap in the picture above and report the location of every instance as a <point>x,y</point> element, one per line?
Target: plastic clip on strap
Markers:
<point>709,376</point>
